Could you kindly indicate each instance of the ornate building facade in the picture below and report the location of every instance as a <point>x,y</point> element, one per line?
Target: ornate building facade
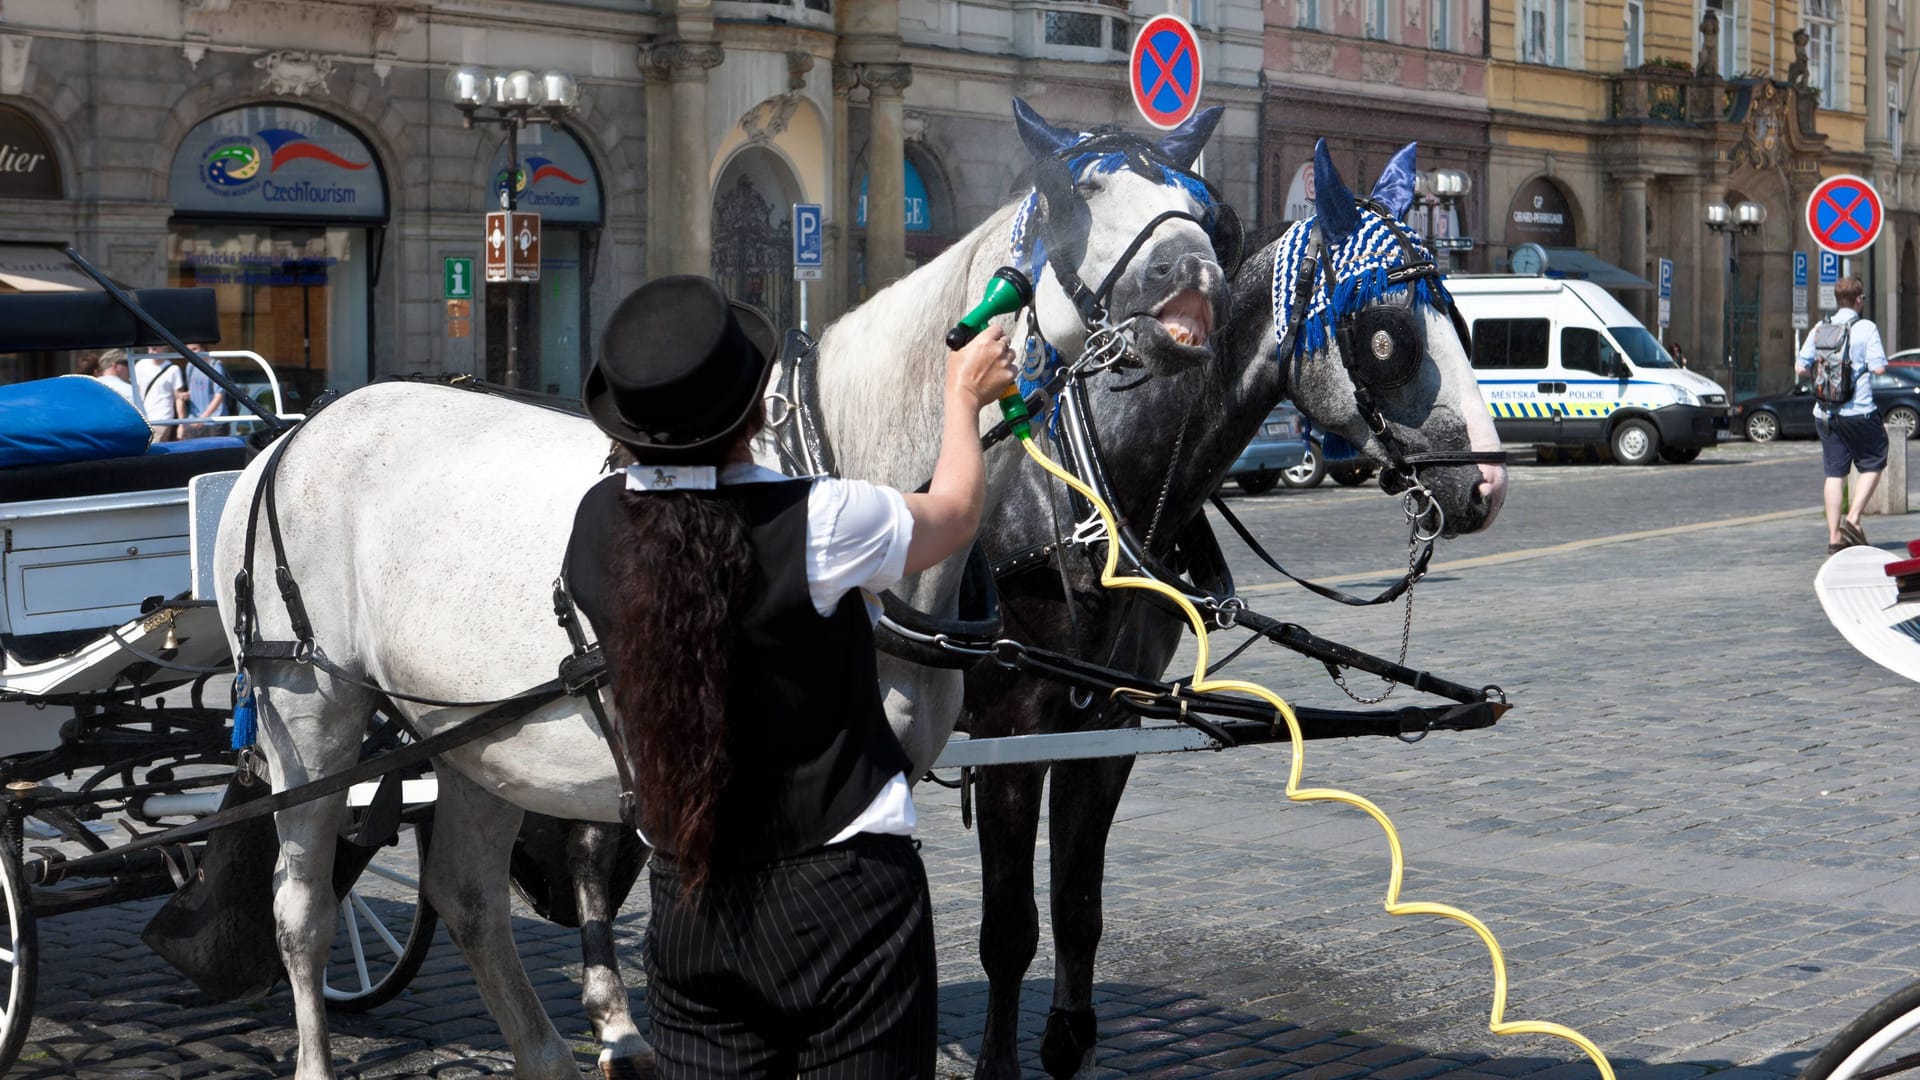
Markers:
<point>1616,123</point>
<point>302,157</point>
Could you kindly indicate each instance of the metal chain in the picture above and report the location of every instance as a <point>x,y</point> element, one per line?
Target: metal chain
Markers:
<point>1406,625</point>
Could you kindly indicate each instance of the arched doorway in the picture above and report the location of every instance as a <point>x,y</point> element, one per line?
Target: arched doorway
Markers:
<point>281,210</point>
<point>1906,328</point>
<point>1742,306</point>
<point>753,232</point>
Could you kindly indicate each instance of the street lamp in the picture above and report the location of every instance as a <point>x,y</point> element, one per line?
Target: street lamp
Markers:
<point>511,99</point>
<point>1446,186</point>
<point>1731,222</point>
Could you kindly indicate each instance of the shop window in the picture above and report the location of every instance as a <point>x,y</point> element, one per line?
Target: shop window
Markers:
<point>1510,343</point>
<point>295,294</point>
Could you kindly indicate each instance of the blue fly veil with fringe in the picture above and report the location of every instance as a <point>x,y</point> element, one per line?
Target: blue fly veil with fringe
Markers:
<point>1360,266</point>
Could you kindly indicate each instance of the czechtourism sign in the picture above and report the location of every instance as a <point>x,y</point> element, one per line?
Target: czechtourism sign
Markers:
<point>276,161</point>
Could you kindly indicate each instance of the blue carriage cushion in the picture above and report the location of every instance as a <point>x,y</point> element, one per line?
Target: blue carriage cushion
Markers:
<point>205,442</point>
<point>68,418</point>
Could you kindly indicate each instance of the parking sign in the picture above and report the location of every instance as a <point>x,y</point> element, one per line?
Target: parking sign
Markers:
<point>1666,293</point>
<point>809,250</point>
<point>1800,318</point>
<point>1829,277</point>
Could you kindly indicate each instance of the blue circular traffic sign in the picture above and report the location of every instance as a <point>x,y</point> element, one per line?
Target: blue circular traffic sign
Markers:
<point>1164,71</point>
<point>1844,214</point>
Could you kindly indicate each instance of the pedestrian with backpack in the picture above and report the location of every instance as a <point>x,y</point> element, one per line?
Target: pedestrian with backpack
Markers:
<point>1837,356</point>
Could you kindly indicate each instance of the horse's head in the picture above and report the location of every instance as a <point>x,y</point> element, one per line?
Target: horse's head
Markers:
<point>1374,351</point>
<point>1131,237</point>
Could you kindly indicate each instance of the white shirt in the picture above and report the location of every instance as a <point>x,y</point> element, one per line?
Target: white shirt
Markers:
<point>157,380</point>
<point>857,538</point>
<point>118,385</point>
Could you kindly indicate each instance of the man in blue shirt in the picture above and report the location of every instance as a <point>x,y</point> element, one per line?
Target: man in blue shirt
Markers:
<point>1852,435</point>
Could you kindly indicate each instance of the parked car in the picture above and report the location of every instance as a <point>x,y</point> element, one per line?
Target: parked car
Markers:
<point>1328,455</point>
<point>1279,446</point>
<point>1789,414</point>
<point>1909,358</point>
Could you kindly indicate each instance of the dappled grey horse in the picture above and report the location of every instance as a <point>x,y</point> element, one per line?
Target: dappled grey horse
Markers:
<point>1168,442</point>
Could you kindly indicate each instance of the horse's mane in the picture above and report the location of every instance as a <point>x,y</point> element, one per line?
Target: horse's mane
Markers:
<point>883,364</point>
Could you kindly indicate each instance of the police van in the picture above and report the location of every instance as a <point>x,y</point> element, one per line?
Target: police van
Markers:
<point>1561,363</point>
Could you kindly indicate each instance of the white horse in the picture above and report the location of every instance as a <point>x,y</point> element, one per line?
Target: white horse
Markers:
<point>425,524</point>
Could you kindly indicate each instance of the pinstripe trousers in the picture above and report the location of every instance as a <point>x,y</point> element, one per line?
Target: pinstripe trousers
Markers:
<point>819,965</point>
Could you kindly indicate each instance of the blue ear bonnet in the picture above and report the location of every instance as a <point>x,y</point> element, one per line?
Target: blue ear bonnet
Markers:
<point>1359,264</point>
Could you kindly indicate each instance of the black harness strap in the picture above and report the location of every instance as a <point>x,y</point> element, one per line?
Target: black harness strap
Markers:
<point>1392,593</point>
<point>584,673</point>
<point>495,718</point>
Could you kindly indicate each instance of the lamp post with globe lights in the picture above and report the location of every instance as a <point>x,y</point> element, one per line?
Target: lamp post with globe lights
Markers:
<point>1731,222</point>
<point>1445,187</point>
<point>511,99</point>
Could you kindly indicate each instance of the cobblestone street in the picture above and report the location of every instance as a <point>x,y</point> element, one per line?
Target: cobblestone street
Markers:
<point>1691,835</point>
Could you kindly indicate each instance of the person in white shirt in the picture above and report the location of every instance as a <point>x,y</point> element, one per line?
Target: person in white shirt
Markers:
<point>113,372</point>
<point>1852,437</point>
<point>790,917</point>
<point>161,387</point>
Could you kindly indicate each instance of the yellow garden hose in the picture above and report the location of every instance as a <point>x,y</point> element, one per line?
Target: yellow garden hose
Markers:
<point>1497,1022</point>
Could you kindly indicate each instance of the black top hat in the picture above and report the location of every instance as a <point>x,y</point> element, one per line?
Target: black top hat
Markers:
<point>679,371</point>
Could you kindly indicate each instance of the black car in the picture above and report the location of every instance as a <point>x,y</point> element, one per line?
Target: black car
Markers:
<point>1789,414</point>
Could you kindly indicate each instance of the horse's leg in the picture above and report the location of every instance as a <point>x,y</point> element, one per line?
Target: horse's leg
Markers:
<point>1007,800</point>
<point>591,852</point>
<point>1080,809</point>
<point>466,881</point>
<point>309,734</point>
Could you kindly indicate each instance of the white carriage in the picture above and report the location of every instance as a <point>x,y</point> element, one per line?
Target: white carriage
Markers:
<point>116,679</point>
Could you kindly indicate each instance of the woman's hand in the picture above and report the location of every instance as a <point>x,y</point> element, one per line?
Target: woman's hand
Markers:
<point>982,369</point>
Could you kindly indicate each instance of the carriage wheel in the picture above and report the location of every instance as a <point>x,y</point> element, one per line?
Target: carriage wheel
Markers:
<point>1882,1042</point>
<point>386,926</point>
<point>19,959</point>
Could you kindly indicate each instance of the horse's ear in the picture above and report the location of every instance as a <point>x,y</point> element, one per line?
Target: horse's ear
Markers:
<point>1332,202</point>
<point>1395,187</point>
<point>1042,138</point>
<point>1183,144</point>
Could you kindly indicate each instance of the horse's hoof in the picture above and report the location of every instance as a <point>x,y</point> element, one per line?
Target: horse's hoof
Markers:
<point>638,1067</point>
<point>1068,1040</point>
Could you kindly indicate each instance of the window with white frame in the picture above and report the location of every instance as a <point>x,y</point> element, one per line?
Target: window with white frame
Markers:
<point>1732,58</point>
<point>1822,21</point>
<point>1440,24</point>
<point>1550,32</point>
<point>1379,19</point>
<point>1636,28</point>
<point>1306,14</point>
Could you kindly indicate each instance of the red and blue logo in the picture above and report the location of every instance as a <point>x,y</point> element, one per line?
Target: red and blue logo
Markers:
<point>245,165</point>
<point>287,146</point>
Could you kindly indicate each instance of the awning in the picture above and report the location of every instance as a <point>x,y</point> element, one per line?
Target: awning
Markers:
<point>32,268</point>
<point>1574,263</point>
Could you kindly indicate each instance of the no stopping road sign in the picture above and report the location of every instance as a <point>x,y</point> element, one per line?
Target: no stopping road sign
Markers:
<point>1844,214</point>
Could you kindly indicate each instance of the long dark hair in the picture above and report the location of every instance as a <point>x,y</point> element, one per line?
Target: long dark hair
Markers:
<point>680,569</point>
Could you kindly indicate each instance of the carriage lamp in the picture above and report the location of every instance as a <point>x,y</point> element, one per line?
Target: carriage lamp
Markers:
<point>1731,222</point>
<point>511,99</point>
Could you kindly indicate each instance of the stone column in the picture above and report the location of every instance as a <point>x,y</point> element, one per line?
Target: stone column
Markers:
<point>839,275</point>
<point>1883,291</point>
<point>1633,240</point>
<point>886,172</point>
<point>1699,257</point>
<point>683,225</point>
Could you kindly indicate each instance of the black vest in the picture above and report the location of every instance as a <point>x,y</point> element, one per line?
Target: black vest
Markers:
<point>807,738</point>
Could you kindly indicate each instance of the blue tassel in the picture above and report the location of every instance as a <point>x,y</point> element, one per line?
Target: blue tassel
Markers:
<point>243,710</point>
